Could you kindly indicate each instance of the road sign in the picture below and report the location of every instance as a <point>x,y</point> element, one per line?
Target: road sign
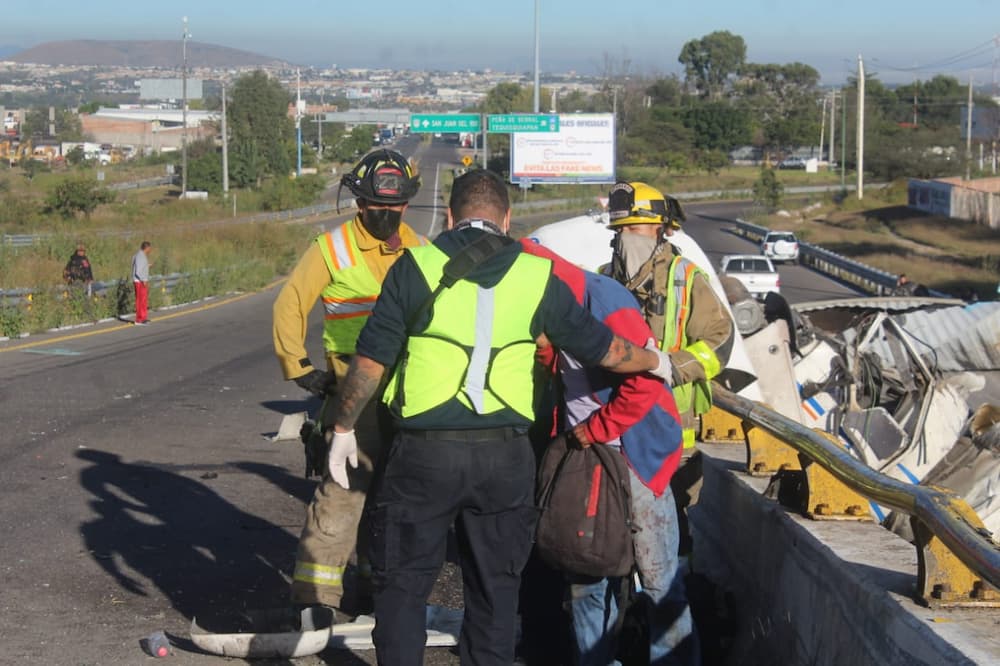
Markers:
<point>444,122</point>
<point>467,160</point>
<point>522,122</point>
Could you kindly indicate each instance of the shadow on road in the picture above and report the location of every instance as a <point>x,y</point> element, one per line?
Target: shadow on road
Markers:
<point>202,553</point>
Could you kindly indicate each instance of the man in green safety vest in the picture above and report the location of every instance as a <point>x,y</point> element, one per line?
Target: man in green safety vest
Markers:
<point>684,312</point>
<point>456,327</point>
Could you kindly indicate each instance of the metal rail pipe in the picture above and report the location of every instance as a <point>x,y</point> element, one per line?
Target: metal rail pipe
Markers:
<point>930,505</point>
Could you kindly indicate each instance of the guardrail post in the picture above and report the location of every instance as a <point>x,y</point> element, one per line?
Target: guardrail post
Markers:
<point>767,455</point>
<point>826,497</point>
<point>718,425</point>
<point>942,579</point>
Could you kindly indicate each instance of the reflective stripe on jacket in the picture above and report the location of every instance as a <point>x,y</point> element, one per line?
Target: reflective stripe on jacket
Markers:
<point>477,347</point>
<point>351,294</point>
<point>692,396</point>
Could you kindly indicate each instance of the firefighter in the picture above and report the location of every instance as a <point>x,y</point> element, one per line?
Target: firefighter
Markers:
<point>684,312</point>
<point>345,267</point>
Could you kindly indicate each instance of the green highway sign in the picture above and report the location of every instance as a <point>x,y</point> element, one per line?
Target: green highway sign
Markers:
<point>522,122</point>
<point>444,122</point>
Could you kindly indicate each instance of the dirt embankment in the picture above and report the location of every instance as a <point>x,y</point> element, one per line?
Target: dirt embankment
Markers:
<point>953,256</point>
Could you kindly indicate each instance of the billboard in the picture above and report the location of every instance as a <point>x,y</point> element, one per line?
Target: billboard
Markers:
<point>164,89</point>
<point>582,151</point>
<point>985,123</point>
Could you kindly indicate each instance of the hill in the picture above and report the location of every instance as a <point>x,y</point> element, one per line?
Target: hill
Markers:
<point>149,53</point>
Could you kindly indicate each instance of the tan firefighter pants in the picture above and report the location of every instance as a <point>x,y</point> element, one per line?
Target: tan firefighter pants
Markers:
<point>331,529</point>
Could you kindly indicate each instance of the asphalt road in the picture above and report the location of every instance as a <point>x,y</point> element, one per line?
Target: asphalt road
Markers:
<point>139,483</point>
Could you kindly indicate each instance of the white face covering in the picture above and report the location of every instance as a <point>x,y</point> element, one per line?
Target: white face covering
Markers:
<point>636,249</point>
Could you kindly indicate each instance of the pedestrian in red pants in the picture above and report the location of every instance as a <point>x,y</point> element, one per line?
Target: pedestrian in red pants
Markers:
<point>140,278</point>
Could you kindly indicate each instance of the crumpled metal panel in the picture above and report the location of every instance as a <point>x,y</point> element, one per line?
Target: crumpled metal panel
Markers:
<point>953,339</point>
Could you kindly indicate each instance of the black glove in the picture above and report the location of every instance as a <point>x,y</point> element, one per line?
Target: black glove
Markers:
<point>317,382</point>
<point>315,449</point>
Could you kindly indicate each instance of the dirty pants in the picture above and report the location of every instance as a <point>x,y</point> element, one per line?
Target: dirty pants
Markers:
<point>483,482</point>
<point>331,531</point>
<point>593,605</point>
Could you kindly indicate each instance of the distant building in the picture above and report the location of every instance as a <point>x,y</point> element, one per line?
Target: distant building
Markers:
<point>149,130</point>
<point>973,200</point>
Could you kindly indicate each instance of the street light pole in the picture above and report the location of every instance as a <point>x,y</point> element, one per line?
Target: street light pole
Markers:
<point>225,146</point>
<point>184,109</point>
<point>536,104</point>
<point>298,124</point>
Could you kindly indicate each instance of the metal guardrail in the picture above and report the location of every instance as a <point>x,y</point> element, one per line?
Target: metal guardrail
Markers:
<point>17,297</point>
<point>932,506</point>
<point>872,280</point>
<point>145,182</point>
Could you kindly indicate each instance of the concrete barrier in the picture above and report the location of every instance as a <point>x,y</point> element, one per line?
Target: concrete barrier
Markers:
<point>821,592</point>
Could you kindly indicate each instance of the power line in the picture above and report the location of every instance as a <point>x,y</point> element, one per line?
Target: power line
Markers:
<point>975,51</point>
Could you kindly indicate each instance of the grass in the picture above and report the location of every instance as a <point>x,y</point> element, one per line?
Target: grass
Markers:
<point>215,259</point>
<point>952,256</point>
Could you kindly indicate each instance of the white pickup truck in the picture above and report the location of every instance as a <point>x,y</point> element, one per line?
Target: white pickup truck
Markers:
<point>755,271</point>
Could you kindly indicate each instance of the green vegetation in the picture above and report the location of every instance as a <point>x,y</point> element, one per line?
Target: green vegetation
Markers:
<point>952,256</point>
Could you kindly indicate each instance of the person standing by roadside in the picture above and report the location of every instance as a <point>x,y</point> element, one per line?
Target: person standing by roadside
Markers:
<point>462,389</point>
<point>78,272</point>
<point>140,278</point>
<point>344,267</point>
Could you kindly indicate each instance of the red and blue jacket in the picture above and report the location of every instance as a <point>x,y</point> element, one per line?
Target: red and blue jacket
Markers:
<point>637,411</point>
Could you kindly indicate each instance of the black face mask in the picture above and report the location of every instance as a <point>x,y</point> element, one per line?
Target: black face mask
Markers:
<point>382,223</point>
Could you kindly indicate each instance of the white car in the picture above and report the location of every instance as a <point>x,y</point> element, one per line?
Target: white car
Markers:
<point>780,246</point>
<point>755,271</point>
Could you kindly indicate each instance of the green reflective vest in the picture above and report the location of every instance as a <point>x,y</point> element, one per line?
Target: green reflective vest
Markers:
<point>693,396</point>
<point>350,295</point>
<point>477,348</point>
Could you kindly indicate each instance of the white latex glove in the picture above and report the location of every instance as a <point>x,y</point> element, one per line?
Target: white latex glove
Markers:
<point>665,370</point>
<point>343,450</point>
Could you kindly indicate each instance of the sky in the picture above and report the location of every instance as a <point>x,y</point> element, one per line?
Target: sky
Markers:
<point>899,40</point>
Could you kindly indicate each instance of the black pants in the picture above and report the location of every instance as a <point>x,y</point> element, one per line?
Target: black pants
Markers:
<point>486,488</point>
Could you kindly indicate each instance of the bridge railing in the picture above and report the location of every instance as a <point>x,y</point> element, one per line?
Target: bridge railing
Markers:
<point>871,280</point>
<point>958,561</point>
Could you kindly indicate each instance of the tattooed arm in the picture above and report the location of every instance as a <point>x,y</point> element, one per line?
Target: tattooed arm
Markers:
<point>357,389</point>
<point>624,357</point>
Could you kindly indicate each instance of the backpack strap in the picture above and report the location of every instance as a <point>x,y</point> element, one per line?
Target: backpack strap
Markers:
<point>460,265</point>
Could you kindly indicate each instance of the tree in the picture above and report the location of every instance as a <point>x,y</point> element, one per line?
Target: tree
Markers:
<point>506,98</point>
<point>204,166</point>
<point>784,101</point>
<point>75,155</point>
<point>767,189</point>
<point>347,147</point>
<point>710,61</point>
<point>66,122</point>
<point>718,125</point>
<point>77,194</point>
<point>259,129</point>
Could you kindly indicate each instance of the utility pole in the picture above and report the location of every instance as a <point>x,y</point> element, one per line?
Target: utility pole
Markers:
<point>833,129</point>
<point>843,140</point>
<point>968,135</point>
<point>822,130</point>
<point>184,110</point>
<point>298,124</point>
<point>225,146</point>
<point>861,128</point>
<point>536,104</point>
